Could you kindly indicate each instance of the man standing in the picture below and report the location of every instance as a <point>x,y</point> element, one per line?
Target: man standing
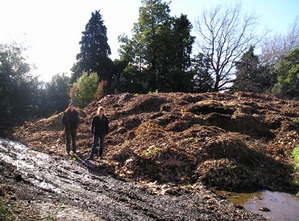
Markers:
<point>70,120</point>
<point>99,129</point>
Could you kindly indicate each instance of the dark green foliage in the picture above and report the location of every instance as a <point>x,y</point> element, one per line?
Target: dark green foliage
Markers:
<point>94,51</point>
<point>13,80</point>
<point>202,79</point>
<point>57,93</point>
<point>21,94</point>
<point>175,60</point>
<point>288,75</point>
<point>158,55</point>
<point>251,75</point>
<point>131,80</point>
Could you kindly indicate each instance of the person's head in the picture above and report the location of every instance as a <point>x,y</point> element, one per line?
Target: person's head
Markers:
<point>100,111</point>
<point>71,106</point>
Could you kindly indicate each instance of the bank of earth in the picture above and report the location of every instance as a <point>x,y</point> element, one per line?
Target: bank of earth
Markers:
<point>181,146</point>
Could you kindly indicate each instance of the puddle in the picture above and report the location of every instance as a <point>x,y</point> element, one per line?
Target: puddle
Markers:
<point>282,206</point>
<point>103,196</point>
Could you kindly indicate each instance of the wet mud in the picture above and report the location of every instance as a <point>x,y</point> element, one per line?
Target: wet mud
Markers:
<point>62,188</point>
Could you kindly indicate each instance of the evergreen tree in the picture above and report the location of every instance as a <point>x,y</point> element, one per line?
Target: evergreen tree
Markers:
<point>288,75</point>
<point>160,48</point>
<point>251,76</point>
<point>94,50</point>
<point>175,58</point>
<point>202,79</point>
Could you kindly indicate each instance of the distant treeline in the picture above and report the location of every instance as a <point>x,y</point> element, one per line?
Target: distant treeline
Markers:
<point>159,56</point>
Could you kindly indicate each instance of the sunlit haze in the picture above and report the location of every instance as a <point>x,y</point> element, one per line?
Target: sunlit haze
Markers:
<point>51,29</point>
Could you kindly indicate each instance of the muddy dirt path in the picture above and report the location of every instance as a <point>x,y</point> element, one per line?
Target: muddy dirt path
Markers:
<point>97,196</point>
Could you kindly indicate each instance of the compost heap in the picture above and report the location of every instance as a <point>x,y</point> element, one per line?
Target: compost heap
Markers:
<point>235,142</point>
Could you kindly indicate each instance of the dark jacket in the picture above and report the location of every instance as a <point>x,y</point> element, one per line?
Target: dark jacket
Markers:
<point>99,126</point>
<point>70,119</point>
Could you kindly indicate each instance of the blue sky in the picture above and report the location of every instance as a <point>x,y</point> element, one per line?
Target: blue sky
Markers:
<point>51,29</point>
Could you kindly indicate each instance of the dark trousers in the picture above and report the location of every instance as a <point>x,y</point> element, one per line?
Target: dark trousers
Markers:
<point>70,134</point>
<point>95,143</point>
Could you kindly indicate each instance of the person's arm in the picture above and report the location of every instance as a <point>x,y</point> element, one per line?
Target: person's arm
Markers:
<point>92,126</point>
<point>63,119</point>
<point>77,119</point>
<point>107,126</point>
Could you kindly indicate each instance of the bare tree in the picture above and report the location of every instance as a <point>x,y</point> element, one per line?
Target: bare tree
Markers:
<point>224,35</point>
<point>273,48</point>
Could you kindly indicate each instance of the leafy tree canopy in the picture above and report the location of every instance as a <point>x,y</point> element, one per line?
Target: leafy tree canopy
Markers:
<point>288,75</point>
<point>160,48</point>
<point>57,93</point>
<point>14,79</point>
<point>85,89</point>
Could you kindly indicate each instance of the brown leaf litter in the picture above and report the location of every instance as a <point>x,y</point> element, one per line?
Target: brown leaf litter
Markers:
<point>235,142</point>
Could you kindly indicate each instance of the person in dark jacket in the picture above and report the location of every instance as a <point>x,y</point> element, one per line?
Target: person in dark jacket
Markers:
<point>99,129</point>
<point>70,120</point>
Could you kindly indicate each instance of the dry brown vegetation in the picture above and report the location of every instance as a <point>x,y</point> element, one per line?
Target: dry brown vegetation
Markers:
<point>237,142</point>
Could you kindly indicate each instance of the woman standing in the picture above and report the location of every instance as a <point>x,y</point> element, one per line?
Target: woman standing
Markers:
<point>70,120</point>
<point>99,129</point>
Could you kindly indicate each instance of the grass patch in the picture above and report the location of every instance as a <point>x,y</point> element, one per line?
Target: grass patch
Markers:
<point>152,151</point>
<point>295,154</point>
<point>155,92</point>
<point>295,122</point>
<point>295,183</point>
<point>188,186</point>
<point>3,213</point>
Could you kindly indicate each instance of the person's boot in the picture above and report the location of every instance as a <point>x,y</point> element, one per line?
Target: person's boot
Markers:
<point>100,153</point>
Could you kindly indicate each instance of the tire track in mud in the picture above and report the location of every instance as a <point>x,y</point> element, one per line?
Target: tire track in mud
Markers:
<point>107,197</point>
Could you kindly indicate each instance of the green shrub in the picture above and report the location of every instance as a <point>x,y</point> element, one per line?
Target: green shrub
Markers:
<point>86,89</point>
<point>3,213</point>
<point>295,154</point>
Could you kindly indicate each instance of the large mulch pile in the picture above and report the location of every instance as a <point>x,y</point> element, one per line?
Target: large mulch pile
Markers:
<point>235,142</point>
